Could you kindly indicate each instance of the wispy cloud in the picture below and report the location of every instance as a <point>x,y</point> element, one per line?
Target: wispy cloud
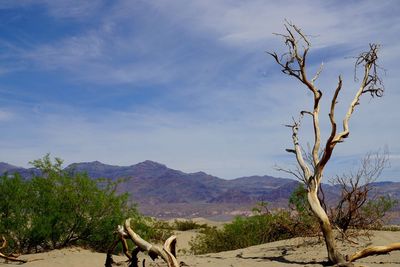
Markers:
<point>72,9</point>
<point>5,115</point>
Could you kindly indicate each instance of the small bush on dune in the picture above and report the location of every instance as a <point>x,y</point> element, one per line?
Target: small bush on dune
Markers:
<point>354,218</point>
<point>186,225</point>
<point>151,229</point>
<point>263,227</point>
<point>246,231</point>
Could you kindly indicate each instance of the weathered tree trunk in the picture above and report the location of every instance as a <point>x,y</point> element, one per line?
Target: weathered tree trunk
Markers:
<point>334,255</point>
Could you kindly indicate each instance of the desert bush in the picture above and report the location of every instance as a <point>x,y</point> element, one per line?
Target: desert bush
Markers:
<point>356,208</point>
<point>392,228</point>
<point>152,229</point>
<point>14,211</point>
<point>264,226</point>
<point>244,232</point>
<point>186,225</point>
<point>57,209</point>
<point>375,210</point>
<point>371,215</point>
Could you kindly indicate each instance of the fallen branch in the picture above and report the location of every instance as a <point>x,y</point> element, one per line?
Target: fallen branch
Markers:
<point>375,250</point>
<point>9,258</point>
<point>166,253</point>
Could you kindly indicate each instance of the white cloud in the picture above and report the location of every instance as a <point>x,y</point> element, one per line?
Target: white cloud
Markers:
<point>124,53</point>
<point>252,22</point>
<point>59,8</point>
<point>68,53</point>
<point>73,8</point>
<point>5,115</point>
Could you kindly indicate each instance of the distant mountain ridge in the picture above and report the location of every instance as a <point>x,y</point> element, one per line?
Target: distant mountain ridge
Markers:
<point>24,172</point>
<point>153,182</point>
<point>154,185</point>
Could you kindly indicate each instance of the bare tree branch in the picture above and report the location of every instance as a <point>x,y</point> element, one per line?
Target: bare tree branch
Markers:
<point>294,64</point>
<point>298,151</point>
<point>375,250</point>
<point>298,174</point>
<point>329,146</point>
<point>371,83</point>
<point>318,73</point>
<point>9,258</point>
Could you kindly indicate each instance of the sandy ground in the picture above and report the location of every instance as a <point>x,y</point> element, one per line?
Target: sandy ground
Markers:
<point>295,252</point>
<point>292,252</point>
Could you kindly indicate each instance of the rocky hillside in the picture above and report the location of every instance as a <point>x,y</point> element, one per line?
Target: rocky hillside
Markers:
<point>159,189</point>
<point>151,182</point>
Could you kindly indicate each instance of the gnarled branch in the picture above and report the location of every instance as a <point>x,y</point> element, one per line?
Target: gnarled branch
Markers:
<point>371,83</point>
<point>9,258</point>
<point>298,151</point>
<point>293,63</point>
<point>374,250</point>
<point>167,253</point>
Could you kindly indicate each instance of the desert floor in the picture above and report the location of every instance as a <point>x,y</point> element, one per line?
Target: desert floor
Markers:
<point>291,252</point>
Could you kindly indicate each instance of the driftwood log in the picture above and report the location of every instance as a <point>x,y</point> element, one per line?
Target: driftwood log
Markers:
<point>167,253</point>
<point>374,250</point>
<point>9,257</point>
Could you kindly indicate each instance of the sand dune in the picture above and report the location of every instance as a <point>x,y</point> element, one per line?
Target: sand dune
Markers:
<point>292,252</point>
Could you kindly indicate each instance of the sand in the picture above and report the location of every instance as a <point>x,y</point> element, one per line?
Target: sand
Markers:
<point>295,252</point>
<point>292,252</point>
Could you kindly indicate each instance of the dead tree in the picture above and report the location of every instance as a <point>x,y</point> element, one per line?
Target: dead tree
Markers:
<point>167,253</point>
<point>294,63</point>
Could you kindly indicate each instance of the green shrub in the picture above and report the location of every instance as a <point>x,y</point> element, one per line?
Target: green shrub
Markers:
<point>185,225</point>
<point>298,200</point>
<point>264,226</point>
<point>153,230</point>
<point>392,228</point>
<point>246,231</point>
<point>373,212</point>
<point>367,214</point>
<point>58,209</point>
<point>14,210</point>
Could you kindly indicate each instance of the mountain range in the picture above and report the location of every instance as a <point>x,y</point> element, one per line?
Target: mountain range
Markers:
<point>164,192</point>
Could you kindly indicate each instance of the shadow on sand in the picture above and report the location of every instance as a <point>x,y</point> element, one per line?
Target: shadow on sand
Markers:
<point>282,259</point>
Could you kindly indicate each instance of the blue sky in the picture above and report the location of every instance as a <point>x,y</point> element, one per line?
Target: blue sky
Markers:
<point>185,83</point>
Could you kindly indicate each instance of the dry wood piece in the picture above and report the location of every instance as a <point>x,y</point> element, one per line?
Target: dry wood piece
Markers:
<point>9,258</point>
<point>376,250</point>
<point>166,253</point>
